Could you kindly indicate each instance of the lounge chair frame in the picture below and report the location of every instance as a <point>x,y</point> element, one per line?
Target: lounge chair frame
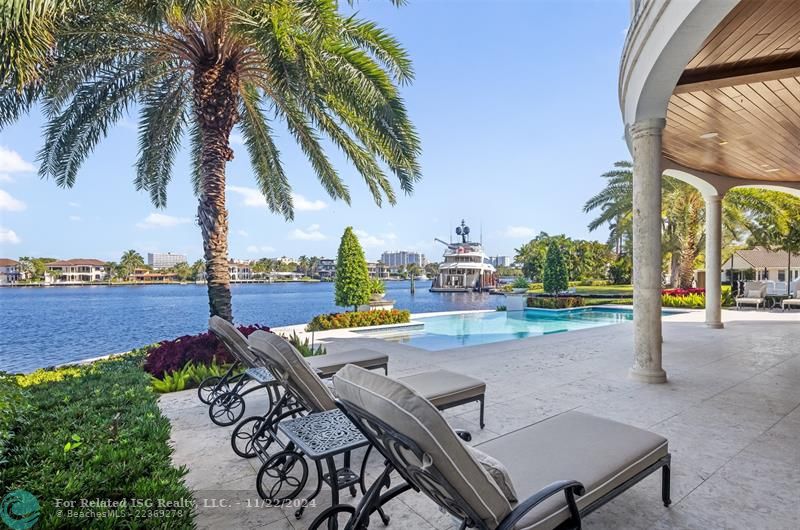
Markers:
<point>392,444</point>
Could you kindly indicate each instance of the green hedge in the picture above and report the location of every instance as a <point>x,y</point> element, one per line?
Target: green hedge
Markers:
<point>96,432</point>
<point>549,302</point>
<point>358,319</point>
<point>14,413</point>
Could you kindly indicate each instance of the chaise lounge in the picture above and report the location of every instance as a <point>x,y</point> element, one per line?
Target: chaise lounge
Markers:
<point>548,475</point>
<point>755,293</point>
<point>792,302</point>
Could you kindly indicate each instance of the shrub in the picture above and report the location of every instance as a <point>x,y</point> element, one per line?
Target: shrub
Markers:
<point>357,319</point>
<point>203,349</point>
<point>555,302</point>
<point>682,292</point>
<point>501,308</point>
<point>693,298</point>
<point>621,271</point>
<point>555,270</point>
<point>189,376</point>
<point>352,275</point>
<point>520,283</point>
<point>14,411</point>
<point>98,434</point>
<point>376,286</point>
<point>304,346</point>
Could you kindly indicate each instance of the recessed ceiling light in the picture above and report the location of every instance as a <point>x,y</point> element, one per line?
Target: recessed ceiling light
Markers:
<point>707,136</point>
<point>773,170</point>
<point>764,165</point>
<point>723,142</point>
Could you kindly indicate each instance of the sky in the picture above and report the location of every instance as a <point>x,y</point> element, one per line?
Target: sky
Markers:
<point>516,105</point>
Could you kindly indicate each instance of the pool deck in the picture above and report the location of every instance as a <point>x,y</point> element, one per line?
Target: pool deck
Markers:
<point>731,412</point>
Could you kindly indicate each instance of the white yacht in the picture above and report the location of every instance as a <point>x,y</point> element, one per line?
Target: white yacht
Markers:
<point>466,268</point>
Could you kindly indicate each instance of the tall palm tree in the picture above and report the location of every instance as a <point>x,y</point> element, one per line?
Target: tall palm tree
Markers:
<point>205,67</point>
<point>615,202</point>
<point>130,261</point>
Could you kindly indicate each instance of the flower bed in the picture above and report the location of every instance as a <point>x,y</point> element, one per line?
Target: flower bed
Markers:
<point>204,349</point>
<point>96,433</point>
<point>682,292</point>
<point>692,298</point>
<point>358,319</point>
<point>559,302</point>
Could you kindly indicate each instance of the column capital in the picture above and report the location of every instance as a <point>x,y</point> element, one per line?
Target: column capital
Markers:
<point>713,197</point>
<point>647,126</point>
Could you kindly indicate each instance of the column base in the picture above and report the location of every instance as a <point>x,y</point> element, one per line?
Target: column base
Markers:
<point>715,325</point>
<point>647,376</point>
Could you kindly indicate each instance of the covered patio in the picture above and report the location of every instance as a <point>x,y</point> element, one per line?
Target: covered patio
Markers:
<point>731,413</point>
<point>710,94</point>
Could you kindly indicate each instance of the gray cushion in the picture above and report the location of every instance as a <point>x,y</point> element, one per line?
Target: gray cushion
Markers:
<point>232,338</point>
<point>298,374</point>
<point>497,471</point>
<point>329,364</point>
<point>415,417</point>
<point>599,453</point>
<point>442,387</point>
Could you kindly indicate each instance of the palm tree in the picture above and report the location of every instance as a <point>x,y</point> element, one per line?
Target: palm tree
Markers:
<point>130,261</point>
<point>205,67</point>
<point>615,202</point>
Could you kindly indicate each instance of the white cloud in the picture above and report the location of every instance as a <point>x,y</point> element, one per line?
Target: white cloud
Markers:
<point>301,204</point>
<point>253,197</point>
<point>73,204</point>
<point>12,162</point>
<point>9,203</point>
<point>5,177</point>
<point>160,220</point>
<point>243,233</point>
<point>367,240</point>
<point>517,232</point>
<point>74,217</point>
<point>311,233</point>
<point>255,249</point>
<point>8,236</point>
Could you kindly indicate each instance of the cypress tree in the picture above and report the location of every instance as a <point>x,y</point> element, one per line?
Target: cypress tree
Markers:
<point>555,270</point>
<point>352,276</point>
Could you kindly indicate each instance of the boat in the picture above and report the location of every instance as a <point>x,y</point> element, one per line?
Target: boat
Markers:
<point>421,278</point>
<point>466,267</point>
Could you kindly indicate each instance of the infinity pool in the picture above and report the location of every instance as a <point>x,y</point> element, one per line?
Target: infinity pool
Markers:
<point>453,331</point>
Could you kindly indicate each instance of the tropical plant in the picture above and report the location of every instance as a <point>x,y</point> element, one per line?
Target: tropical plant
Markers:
<point>555,302</point>
<point>208,67</point>
<point>304,346</point>
<point>130,261</point>
<point>198,270</point>
<point>358,319</point>
<point>615,203</point>
<point>376,287</point>
<point>352,276</point>
<point>555,278</point>
<point>520,283</point>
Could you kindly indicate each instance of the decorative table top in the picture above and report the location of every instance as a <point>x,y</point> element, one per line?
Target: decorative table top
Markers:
<point>323,434</point>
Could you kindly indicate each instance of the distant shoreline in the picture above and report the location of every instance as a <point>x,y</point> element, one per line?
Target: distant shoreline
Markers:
<point>141,284</point>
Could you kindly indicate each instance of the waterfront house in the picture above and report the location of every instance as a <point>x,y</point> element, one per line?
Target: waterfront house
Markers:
<point>148,276</point>
<point>378,269</point>
<point>9,271</point>
<point>762,264</point>
<point>326,269</point>
<point>240,270</point>
<point>76,270</point>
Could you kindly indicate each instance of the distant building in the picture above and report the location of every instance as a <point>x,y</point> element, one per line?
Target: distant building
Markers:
<point>502,261</point>
<point>9,271</point>
<point>240,270</point>
<point>326,269</point>
<point>76,270</point>
<point>762,265</point>
<point>378,270</point>
<point>144,275</point>
<point>165,261</point>
<point>402,258</point>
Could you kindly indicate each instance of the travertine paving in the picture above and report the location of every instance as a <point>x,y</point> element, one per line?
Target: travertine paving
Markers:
<point>731,412</point>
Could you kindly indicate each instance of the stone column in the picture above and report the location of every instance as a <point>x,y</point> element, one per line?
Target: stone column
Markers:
<point>713,261</point>
<point>646,140</point>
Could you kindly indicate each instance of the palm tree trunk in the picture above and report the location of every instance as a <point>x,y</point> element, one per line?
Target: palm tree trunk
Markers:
<point>215,89</point>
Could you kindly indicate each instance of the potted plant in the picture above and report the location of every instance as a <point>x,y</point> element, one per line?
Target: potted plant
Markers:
<point>377,289</point>
<point>520,285</point>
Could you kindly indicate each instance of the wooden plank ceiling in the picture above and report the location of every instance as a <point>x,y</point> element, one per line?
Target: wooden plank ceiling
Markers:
<point>736,109</point>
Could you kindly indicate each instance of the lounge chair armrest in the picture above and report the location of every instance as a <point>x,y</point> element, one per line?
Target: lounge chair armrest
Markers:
<point>570,489</point>
<point>464,435</point>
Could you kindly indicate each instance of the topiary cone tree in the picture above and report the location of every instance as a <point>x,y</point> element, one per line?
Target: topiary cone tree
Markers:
<point>352,276</point>
<point>555,270</point>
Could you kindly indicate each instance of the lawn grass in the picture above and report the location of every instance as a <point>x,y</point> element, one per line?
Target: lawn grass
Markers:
<point>95,432</point>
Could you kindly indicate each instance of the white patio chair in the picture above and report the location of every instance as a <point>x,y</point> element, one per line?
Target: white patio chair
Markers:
<point>755,293</point>
<point>792,302</point>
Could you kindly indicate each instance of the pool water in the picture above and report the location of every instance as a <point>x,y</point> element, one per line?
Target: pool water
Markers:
<point>453,331</point>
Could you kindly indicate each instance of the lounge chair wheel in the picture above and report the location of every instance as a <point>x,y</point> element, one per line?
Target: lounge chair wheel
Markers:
<point>208,391</point>
<point>334,517</point>
<point>282,477</point>
<point>246,433</point>
<point>226,409</point>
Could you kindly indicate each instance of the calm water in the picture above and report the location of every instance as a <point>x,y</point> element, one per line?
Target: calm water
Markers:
<point>54,325</point>
<point>453,331</point>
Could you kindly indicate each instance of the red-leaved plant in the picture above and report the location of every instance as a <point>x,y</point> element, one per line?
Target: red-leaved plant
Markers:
<point>172,355</point>
<point>683,292</point>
